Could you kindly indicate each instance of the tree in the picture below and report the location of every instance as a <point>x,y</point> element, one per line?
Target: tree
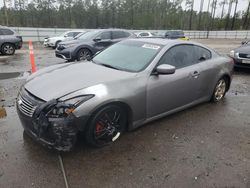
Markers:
<point>200,14</point>
<point>235,11</point>
<point>245,25</point>
<point>228,14</point>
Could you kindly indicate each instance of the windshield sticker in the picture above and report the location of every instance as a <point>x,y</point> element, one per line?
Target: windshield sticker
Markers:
<point>151,46</point>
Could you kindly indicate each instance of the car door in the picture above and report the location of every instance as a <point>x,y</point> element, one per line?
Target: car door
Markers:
<point>103,40</point>
<point>172,91</point>
<point>209,70</point>
<point>1,36</point>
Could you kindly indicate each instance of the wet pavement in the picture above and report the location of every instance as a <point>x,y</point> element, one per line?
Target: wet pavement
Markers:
<point>205,146</point>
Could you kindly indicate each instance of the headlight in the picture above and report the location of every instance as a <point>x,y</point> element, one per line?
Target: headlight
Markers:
<point>68,45</point>
<point>232,53</point>
<point>64,108</point>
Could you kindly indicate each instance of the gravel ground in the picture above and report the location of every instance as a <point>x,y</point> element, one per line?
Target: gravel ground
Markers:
<point>205,146</point>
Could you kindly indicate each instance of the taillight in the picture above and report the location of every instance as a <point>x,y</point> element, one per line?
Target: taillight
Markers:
<point>20,37</point>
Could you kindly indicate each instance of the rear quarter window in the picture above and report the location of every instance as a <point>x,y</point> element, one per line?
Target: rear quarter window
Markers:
<point>202,53</point>
<point>6,32</point>
<point>119,34</point>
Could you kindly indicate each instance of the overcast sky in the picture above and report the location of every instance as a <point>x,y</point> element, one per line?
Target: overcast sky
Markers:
<point>241,6</point>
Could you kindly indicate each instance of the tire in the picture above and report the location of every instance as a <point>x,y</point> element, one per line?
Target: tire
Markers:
<point>83,54</point>
<point>106,125</point>
<point>8,49</point>
<point>220,90</point>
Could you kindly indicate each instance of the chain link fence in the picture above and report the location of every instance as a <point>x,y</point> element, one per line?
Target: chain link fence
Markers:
<point>38,34</point>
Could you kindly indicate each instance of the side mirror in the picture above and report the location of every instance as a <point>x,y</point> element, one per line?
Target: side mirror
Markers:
<point>97,39</point>
<point>165,69</point>
<point>243,42</point>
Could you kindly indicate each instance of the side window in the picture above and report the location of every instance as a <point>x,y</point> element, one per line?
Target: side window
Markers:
<point>144,34</point>
<point>118,34</point>
<point>202,53</point>
<point>105,35</point>
<point>7,32</point>
<point>179,56</point>
<point>70,34</point>
<point>126,34</point>
<point>76,33</point>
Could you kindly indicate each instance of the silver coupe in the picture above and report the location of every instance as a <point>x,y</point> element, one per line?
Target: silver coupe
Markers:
<point>123,87</point>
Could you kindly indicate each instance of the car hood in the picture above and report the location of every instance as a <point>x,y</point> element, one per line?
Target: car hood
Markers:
<point>59,80</point>
<point>243,49</point>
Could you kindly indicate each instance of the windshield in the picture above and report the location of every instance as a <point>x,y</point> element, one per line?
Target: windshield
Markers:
<point>132,56</point>
<point>88,35</point>
<point>63,34</point>
<point>80,34</point>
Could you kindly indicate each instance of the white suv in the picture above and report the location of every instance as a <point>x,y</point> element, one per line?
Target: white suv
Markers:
<point>54,41</point>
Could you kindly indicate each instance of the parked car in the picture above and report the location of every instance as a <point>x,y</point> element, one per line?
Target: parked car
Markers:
<point>241,55</point>
<point>88,44</point>
<point>54,41</point>
<point>123,87</point>
<point>74,38</point>
<point>173,34</point>
<point>144,34</point>
<point>9,41</point>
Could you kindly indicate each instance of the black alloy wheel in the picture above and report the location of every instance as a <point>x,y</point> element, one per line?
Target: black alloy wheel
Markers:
<point>106,126</point>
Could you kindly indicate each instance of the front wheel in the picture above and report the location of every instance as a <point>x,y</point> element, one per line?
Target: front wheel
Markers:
<point>106,126</point>
<point>220,90</point>
<point>83,54</point>
<point>8,49</point>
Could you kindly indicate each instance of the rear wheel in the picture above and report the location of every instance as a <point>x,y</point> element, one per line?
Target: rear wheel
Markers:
<point>220,90</point>
<point>83,54</point>
<point>106,126</point>
<point>8,49</point>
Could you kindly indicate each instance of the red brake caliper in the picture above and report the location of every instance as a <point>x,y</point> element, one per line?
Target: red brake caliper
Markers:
<point>99,127</point>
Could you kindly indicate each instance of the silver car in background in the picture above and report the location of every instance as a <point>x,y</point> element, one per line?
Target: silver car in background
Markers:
<point>54,41</point>
<point>123,87</point>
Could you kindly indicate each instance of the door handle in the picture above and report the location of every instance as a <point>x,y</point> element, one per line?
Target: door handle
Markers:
<point>195,74</point>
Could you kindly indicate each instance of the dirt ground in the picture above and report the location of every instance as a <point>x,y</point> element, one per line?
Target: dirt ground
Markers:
<point>205,146</point>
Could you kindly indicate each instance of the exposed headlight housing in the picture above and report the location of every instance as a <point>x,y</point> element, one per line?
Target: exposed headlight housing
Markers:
<point>64,108</point>
<point>232,53</point>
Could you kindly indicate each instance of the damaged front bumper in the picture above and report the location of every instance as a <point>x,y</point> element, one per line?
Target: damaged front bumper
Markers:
<point>58,133</point>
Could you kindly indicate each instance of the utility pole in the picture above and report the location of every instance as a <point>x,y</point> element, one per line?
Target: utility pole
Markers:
<point>5,13</point>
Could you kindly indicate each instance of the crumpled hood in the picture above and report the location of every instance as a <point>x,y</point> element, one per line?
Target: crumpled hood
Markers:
<point>243,49</point>
<point>59,80</point>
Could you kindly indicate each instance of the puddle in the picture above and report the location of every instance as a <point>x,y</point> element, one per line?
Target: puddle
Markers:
<point>19,75</point>
<point>9,75</point>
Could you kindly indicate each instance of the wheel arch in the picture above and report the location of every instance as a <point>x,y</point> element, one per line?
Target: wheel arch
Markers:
<point>123,105</point>
<point>8,43</point>
<point>84,47</point>
<point>228,78</point>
